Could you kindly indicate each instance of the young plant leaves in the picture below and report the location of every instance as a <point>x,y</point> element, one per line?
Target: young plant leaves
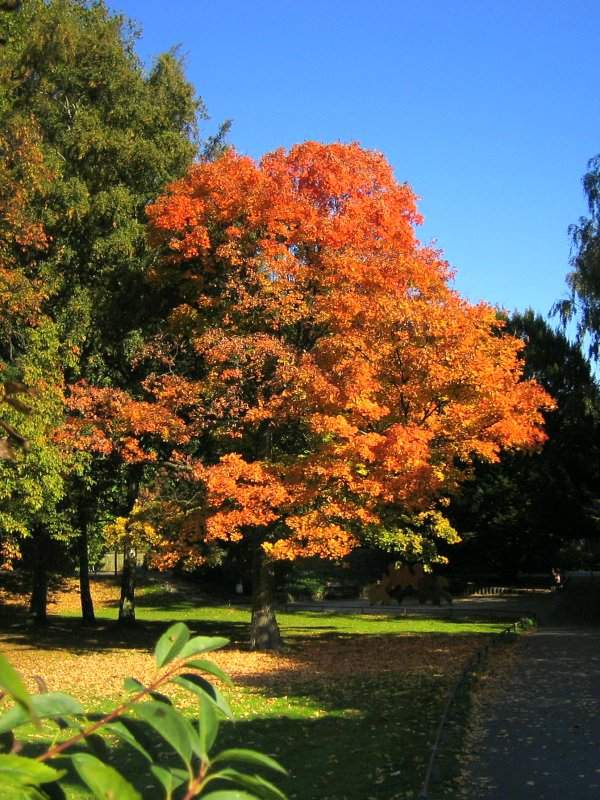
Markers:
<point>212,669</point>
<point>208,726</point>
<point>249,757</point>
<point>104,781</point>
<point>200,686</point>
<point>45,706</point>
<point>170,779</point>
<point>26,771</point>
<point>17,791</point>
<point>12,683</point>
<point>202,644</point>
<point>136,687</point>
<point>172,726</point>
<point>170,643</point>
<point>263,788</point>
<point>122,729</point>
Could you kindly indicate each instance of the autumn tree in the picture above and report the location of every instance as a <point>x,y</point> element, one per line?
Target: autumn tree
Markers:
<point>114,134</point>
<point>128,436</point>
<point>326,374</point>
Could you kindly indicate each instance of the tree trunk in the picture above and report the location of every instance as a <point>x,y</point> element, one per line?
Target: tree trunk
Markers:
<point>264,630</point>
<point>87,604</point>
<point>38,604</point>
<point>127,601</point>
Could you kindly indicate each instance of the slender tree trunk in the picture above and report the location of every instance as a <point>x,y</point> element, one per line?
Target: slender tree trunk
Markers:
<point>127,601</point>
<point>87,604</point>
<point>128,576</point>
<point>264,630</point>
<point>38,604</point>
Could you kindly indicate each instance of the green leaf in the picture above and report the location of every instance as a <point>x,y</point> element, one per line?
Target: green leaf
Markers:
<point>212,669</point>
<point>170,779</point>
<point>46,706</point>
<point>11,682</point>
<point>170,643</point>
<point>104,781</point>
<point>133,685</point>
<point>202,644</point>
<point>17,791</point>
<point>172,726</point>
<point>208,726</point>
<point>161,698</point>
<point>26,770</point>
<point>200,686</point>
<point>249,757</point>
<point>263,788</point>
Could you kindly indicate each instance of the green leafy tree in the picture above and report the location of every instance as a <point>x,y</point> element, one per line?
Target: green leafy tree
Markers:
<point>416,537</point>
<point>519,513</point>
<point>583,304</point>
<point>114,134</point>
<point>31,466</point>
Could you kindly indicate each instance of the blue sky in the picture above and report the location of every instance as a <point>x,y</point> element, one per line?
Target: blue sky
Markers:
<point>490,110</point>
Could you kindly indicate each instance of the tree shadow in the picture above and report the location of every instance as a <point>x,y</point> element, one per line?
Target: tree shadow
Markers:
<point>68,633</point>
<point>350,715</point>
<point>65,632</point>
<point>339,741</point>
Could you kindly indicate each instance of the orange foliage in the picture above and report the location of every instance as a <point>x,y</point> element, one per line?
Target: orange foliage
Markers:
<point>335,372</point>
<point>108,420</point>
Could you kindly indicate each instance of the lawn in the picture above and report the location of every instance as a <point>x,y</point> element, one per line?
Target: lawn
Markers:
<point>350,705</point>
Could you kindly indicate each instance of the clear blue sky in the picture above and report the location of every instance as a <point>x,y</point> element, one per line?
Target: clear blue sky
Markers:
<point>490,110</point>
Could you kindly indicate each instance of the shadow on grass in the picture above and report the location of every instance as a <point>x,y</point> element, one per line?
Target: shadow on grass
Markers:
<point>165,601</point>
<point>344,735</point>
<point>68,633</point>
<point>363,738</point>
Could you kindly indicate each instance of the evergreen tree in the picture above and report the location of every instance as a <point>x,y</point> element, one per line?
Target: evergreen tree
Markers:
<point>517,514</point>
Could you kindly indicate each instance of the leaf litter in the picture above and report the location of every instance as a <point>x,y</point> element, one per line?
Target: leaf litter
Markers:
<point>100,673</point>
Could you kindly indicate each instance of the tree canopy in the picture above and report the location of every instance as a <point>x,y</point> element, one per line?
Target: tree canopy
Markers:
<point>518,513</point>
<point>315,372</point>
<point>583,304</point>
<point>110,134</point>
<point>220,350</point>
<point>31,382</point>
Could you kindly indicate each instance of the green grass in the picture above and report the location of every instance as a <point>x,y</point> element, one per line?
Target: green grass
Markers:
<point>156,605</point>
<point>357,737</point>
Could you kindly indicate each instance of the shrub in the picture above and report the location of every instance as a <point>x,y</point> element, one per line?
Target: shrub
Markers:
<point>146,717</point>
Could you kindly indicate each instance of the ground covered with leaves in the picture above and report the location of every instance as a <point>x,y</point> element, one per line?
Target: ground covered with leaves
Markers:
<point>349,706</point>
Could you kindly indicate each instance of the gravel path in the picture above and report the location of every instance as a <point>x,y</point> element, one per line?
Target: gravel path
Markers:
<point>537,735</point>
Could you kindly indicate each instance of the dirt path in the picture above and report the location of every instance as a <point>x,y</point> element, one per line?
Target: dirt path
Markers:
<point>537,729</point>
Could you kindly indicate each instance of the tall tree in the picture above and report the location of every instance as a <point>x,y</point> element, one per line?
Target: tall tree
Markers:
<point>583,304</point>
<point>114,134</point>
<point>32,471</point>
<point>323,372</point>
<point>519,512</point>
